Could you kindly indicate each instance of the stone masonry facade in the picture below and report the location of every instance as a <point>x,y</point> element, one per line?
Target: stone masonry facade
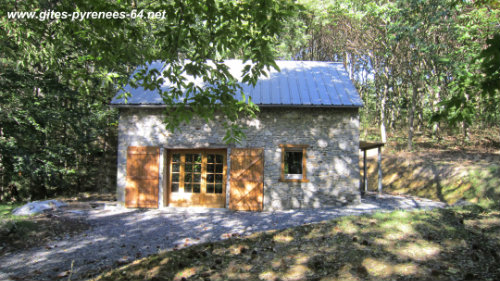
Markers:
<point>332,156</point>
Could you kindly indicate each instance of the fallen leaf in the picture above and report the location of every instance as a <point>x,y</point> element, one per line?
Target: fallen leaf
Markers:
<point>123,260</point>
<point>63,274</point>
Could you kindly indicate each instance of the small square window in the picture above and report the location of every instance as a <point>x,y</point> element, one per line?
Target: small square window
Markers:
<point>218,188</point>
<point>188,178</point>
<point>197,178</point>
<point>175,168</point>
<point>218,159</point>
<point>176,157</point>
<point>210,158</point>
<point>197,168</point>
<point>175,187</point>
<point>210,178</point>
<point>175,177</point>
<point>218,168</point>
<point>293,163</point>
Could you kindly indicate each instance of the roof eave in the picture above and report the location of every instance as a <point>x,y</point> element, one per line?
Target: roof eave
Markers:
<point>135,105</point>
<point>259,105</point>
<point>308,106</point>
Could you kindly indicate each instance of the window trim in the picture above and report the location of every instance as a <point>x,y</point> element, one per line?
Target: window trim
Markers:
<point>296,147</point>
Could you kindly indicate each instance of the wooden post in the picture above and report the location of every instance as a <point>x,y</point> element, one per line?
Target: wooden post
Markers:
<point>161,177</point>
<point>361,190</point>
<point>365,181</point>
<point>380,170</point>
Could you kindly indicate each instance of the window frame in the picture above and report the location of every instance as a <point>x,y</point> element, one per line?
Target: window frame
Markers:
<point>294,147</point>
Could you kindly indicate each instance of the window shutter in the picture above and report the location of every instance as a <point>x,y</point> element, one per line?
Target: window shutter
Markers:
<point>247,179</point>
<point>143,164</point>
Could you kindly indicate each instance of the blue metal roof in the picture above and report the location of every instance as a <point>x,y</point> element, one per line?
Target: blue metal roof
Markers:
<point>299,83</point>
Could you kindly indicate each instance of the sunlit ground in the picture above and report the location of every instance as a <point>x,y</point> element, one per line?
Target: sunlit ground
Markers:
<point>447,180</point>
<point>449,244</point>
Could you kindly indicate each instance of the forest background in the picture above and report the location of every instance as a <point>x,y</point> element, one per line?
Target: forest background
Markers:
<point>424,69</point>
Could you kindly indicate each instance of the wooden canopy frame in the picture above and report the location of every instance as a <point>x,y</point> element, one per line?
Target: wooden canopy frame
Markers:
<point>365,145</point>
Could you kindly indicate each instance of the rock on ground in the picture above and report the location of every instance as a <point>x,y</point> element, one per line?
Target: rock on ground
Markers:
<point>36,207</point>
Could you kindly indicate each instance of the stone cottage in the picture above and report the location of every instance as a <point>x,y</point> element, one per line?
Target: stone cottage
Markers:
<point>300,152</point>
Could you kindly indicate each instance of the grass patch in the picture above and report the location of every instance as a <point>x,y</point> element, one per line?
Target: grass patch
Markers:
<point>6,210</point>
<point>479,186</point>
<point>20,232</point>
<point>8,222</point>
<point>14,228</point>
<point>447,244</point>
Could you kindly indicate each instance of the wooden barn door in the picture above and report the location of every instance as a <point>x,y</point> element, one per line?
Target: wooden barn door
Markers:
<point>143,164</point>
<point>247,179</point>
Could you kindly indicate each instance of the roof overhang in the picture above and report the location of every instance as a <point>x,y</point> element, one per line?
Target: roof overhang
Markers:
<point>259,105</point>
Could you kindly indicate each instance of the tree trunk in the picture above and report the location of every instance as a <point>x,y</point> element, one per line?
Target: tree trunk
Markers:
<point>311,45</point>
<point>420,115</point>
<point>411,114</point>
<point>1,170</point>
<point>465,128</point>
<point>393,110</point>
<point>435,100</point>
<point>382,114</point>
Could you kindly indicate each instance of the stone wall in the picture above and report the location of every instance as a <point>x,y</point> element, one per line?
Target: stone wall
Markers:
<point>332,155</point>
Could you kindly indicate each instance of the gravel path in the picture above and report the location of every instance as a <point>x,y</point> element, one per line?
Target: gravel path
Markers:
<point>120,235</point>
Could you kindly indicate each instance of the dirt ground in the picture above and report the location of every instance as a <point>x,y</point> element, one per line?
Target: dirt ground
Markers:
<point>39,229</point>
<point>442,244</point>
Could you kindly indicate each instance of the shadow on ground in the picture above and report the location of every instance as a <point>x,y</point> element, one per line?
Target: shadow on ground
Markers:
<point>439,245</point>
<point>117,237</point>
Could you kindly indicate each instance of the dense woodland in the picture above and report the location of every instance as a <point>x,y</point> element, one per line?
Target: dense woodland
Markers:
<point>431,67</point>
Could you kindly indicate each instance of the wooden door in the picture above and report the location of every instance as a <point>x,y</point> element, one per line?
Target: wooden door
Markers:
<point>197,178</point>
<point>214,179</point>
<point>141,190</point>
<point>247,179</point>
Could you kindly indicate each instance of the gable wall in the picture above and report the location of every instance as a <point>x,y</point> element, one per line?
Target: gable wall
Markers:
<point>332,156</point>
